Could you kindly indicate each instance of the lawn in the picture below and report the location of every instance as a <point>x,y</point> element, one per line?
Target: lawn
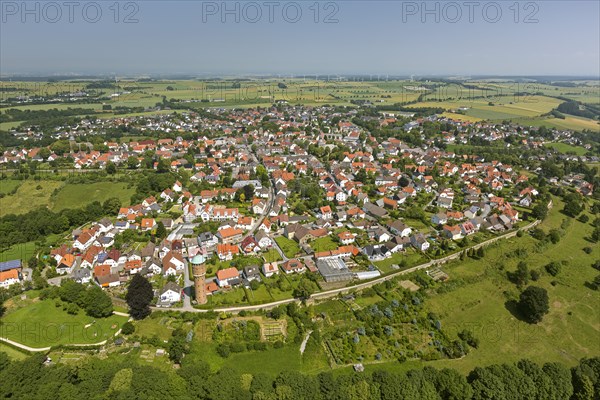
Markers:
<point>570,330</point>
<point>29,196</point>
<point>323,244</point>
<point>289,247</point>
<point>75,196</point>
<point>271,255</point>
<point>42,324</point>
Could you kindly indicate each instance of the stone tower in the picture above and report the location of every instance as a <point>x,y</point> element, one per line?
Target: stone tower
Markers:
<point>199,271</point>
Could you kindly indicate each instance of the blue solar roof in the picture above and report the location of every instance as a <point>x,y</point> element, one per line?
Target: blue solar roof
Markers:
<point>8,265</point>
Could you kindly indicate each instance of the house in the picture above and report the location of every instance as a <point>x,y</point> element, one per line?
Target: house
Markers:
<point>467,228</point>
<point>379,234</point>
<point>251,272</point>
<point>264,241</point>
<point>153,266</point>
<point>419,242</point>
<point>270,269</point>
<point>82,275</point>
<point>347,237</point>
<point>9,278</point>
<point>250,245</point>
<point>173,263</point>
<point>444,202</point>
<point>228,277</point>
<point>229,235</point>
<point>133,267</point>
<point>226,251</point>
<point>110,280</point>
<point>147,224</point>
<point>84,241</point>
<point>376,252</point>
<point>169,294</point>
<point>207,240</point>
<point>293,266</point>
<point>439,218</point>
<point>325,212</point>
<point>244,223</point>
<point>66,264</point>
<point>374,210</point>
<point>259,207</point>
<point>452,232</point>
<point>399,228</point>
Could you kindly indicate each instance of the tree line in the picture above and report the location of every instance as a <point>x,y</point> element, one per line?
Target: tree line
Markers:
<point>123,378</point>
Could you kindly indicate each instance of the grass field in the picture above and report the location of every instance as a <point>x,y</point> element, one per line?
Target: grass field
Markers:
<point>566,148</point>
<point>569,332</point>
<point>42,324</point>
<point>8,185</point>
<point>75,196</point>
<point>289,247</point>
<point>12,353</point>
<point>30,195</point>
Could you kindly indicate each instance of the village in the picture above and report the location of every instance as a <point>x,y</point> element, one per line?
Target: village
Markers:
<point>316,198</point>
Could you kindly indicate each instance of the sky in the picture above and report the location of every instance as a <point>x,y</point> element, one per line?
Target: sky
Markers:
<point>462,38</point>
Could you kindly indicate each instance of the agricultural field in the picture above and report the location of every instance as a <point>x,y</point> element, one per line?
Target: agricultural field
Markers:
<point>42,324</point>
<point>569,122</point>
<point>503,107</point>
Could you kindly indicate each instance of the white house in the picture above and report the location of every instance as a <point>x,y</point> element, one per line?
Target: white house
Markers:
<point>170,293</point>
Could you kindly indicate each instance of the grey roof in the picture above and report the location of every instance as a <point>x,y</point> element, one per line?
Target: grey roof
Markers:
<point>171,286</point>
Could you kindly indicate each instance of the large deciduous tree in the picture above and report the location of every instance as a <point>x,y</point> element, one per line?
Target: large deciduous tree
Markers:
<point>534,304</point>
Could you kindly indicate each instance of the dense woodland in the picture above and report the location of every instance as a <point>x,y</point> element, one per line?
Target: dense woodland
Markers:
<point>124,379</point>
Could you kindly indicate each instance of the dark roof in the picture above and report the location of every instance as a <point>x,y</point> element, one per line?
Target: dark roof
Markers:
<point>8,265</point>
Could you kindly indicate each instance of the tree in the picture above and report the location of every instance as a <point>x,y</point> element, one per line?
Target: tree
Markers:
<point>521,275</point>
<point>573,207</point>
<point>138,297</point>
<point>111,206</point>
<point>132,162</point>
<point>304,289</point>
<point>111,168</point>
<point>128,328</point>
<point>534,304</point>
<point>161,231</point>
<point>98,303</point>
<point>540,211</point>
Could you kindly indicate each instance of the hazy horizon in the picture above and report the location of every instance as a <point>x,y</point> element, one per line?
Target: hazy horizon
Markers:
<point>344,37</point>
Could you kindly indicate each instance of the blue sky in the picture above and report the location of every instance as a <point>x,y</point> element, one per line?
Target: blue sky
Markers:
<point>371,37</point>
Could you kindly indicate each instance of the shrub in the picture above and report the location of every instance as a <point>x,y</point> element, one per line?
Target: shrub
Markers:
<point>553,268</point>
<point>128,328</point>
